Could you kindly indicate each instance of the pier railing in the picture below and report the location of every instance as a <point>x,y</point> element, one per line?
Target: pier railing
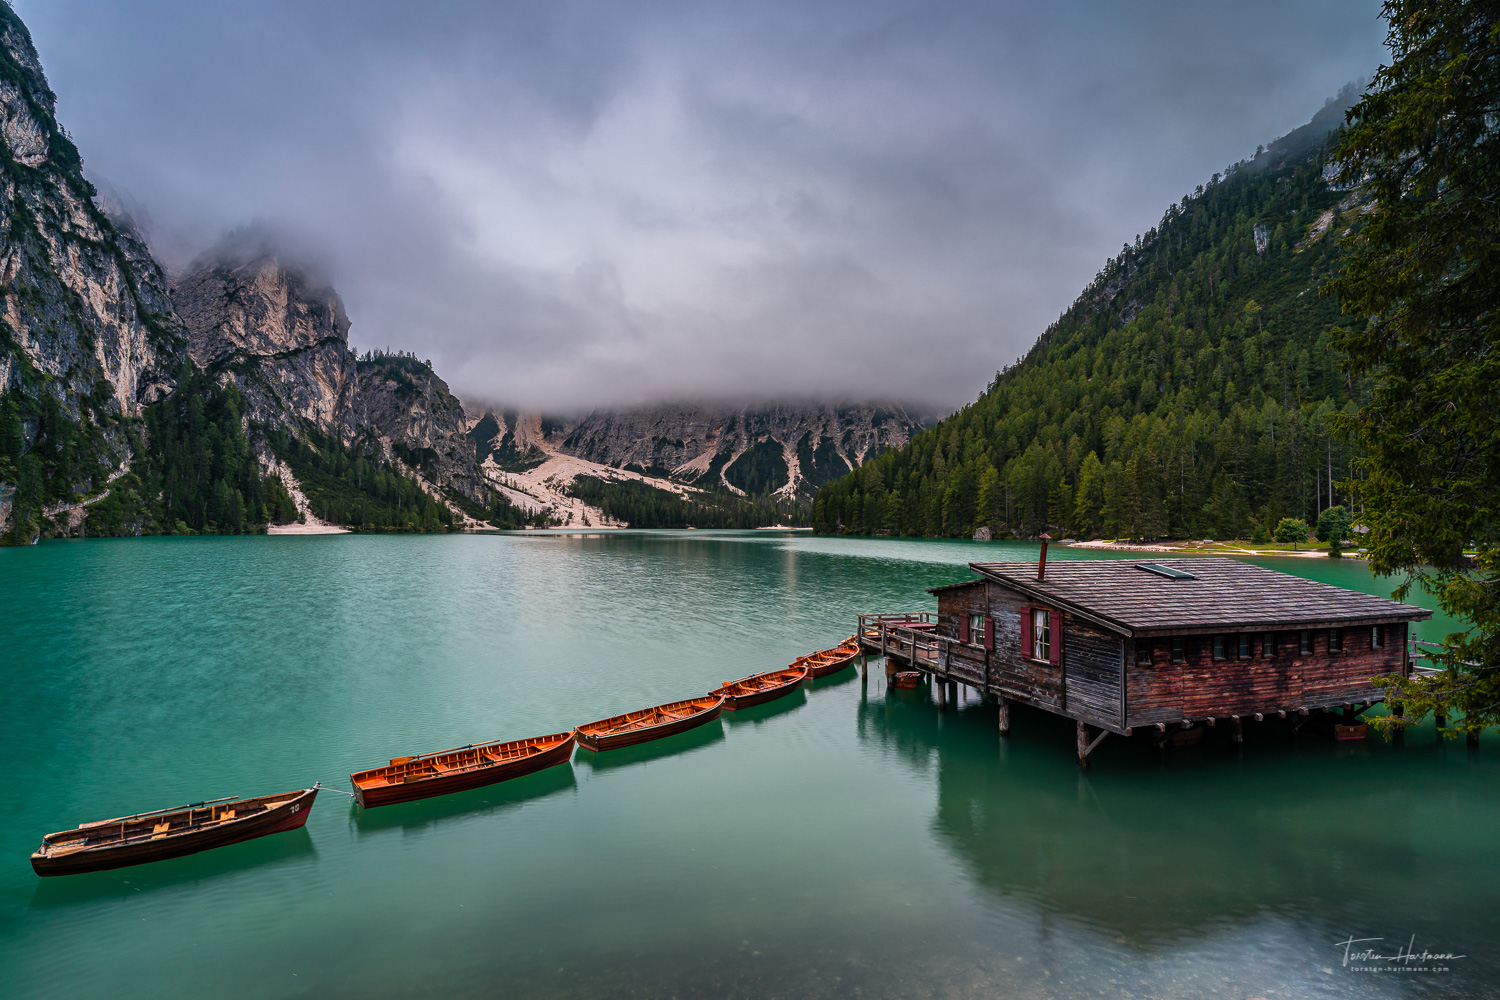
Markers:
<point>1420,649</point>
<point>910,636</point>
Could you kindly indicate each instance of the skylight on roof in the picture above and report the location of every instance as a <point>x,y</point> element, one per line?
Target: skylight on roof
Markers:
<point>1166,571</point>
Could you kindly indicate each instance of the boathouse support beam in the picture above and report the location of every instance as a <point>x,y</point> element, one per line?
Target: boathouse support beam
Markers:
<point>1085,745</point>
<point>1004,715</point>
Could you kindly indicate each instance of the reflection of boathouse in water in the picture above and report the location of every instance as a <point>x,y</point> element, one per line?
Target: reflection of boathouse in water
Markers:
<point>1169,646</point>
<point>1279,848</point>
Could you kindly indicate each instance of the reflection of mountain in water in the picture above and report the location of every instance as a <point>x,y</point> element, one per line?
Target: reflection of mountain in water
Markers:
<point>1159,850</point>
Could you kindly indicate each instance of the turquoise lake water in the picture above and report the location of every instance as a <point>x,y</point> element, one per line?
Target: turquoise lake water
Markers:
<point>846,842</point>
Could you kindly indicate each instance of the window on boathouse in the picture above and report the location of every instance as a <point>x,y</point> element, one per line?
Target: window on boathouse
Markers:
<point>1306,643</point>
<point>1244,645</point>
<point>1041,635</point>
<point>1377,636</point>
<point>1335,640</point>
<point>1143,652</point>
<point>1179,649</point>
<point>976,629</point>
<point>1268,644</point>
<point>1220,644</point>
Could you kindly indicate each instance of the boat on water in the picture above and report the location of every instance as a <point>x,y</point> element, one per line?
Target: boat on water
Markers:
<point>757,689</point>
<point>906,679</point>
<point>421,776</point>
<point>170,833</point>
<point>1339,728</point>
<point>829,661</point>
<point>649,723</point>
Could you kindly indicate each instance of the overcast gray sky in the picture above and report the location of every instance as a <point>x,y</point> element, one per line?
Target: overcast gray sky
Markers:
<point>569,204</point>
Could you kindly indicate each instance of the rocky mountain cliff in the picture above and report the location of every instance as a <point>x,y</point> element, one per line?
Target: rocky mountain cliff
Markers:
<point>402,403</point>
<point>143,405</point>
<point>282,338</point>
<point>784,449</point>
<point>87,331</point>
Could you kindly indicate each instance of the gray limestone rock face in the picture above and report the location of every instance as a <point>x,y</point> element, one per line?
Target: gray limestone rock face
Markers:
<point>281,338</point>
<point>89,321</point>
<point>86,315</point>
<point>789,449</point>
<point>785,448</point>
<point>409,409</point>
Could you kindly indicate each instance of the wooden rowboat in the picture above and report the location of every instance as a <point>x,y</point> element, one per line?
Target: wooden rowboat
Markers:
<point>170,833</point>
<point>757,689</point>
<point>906,679</point>
<point>649,723</point>
<point>1338,727</point>
<point>459,769</point>
<point>829,661</point>
<point>1188,737</point>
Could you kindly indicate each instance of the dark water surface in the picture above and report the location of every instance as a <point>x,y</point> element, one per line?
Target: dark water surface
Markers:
<point>849,841</point>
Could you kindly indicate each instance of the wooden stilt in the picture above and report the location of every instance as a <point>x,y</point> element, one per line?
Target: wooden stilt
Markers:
<point>1004,715</point>
<point>1085,745</point>
<point>942,694</point>
<point>1239,729</point>
<point>864,668</point>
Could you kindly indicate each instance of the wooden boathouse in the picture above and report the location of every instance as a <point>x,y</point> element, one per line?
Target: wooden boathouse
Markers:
<point>1167,645</point>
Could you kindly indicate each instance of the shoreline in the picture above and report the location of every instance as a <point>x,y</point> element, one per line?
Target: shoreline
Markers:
<point>306,529</point>
<point>1189,549</point>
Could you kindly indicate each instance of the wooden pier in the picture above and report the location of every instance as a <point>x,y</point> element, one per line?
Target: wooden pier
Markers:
<point>1165,647</point>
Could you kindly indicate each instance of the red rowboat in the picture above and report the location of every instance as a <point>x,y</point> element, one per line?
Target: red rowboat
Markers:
<point>757,689</point>
<point>170,833</point>
<point>829,661</point>
<point>906,679</point>
<point>425,775</point>
<point>1188,737</point>
<point>649,723</point>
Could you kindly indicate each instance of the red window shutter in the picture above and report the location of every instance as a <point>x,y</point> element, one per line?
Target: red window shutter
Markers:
<point>989,631</point>
<point>1054,650</point>
<point>963,627</point>
<point>1027,646</point>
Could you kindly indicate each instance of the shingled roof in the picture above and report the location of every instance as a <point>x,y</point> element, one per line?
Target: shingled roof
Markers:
<point>1222,594</point>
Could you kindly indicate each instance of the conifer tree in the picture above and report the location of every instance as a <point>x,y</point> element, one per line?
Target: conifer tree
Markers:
<point>1423,276</point>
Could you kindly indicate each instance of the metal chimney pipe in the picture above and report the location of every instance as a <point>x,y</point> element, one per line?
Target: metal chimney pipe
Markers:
<point>1041,566</point>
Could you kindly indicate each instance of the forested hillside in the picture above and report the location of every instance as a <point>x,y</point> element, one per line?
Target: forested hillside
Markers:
<point>1185,393</point>
<point>644,506</point>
